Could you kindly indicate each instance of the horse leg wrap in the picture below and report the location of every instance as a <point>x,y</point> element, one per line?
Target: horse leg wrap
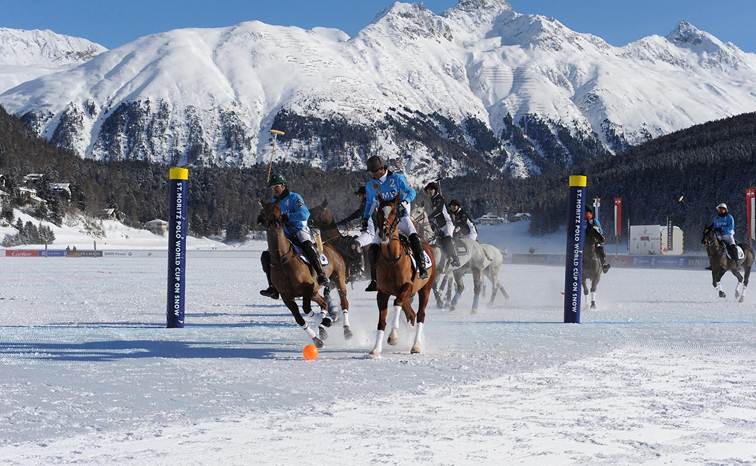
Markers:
<point>346,317</point>
<point>378,348</point>
<point>310,332</point>
<point>418,339</point>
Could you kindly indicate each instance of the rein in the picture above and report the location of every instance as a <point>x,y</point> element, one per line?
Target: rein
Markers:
<point>281,259</point>
<point>392,229</point>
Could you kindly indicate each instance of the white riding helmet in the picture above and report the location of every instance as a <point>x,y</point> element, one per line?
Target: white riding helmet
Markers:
<point>723,206</point>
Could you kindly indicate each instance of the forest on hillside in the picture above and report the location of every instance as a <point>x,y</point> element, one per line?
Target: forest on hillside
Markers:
<point>682,175</point>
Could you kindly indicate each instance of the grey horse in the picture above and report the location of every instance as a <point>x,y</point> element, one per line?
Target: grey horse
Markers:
<point>480,260</point>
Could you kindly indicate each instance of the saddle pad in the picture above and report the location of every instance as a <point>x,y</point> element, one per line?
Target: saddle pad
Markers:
<point>426,259</point>
<point>741,254</point>
<point>461,248</point>
<point>323,259</point>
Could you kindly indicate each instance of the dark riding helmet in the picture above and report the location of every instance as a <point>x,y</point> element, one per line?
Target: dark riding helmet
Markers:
<point>431,185</point>
<point>360,191</point>
<point>277,178</point>
<point>589,209</point>
<point>375,163</point>
<point>454,202</point>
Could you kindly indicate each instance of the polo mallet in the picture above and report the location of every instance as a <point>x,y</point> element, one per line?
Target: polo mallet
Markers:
<point>275,133</point>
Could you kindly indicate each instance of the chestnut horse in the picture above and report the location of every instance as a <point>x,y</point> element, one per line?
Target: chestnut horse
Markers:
<point>293,278</point>
<point>396,277</point>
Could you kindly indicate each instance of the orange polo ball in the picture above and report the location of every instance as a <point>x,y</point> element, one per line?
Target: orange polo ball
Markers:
<point>310,352</point>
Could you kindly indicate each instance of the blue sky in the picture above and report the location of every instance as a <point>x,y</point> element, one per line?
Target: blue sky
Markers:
<point>113,23</point>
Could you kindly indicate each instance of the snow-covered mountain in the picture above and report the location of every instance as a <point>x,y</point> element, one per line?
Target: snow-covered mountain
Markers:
<point>27,55</point>
<point>480,89</point>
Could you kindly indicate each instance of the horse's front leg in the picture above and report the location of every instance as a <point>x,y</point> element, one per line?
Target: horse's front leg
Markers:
<point>716,277</point>
<point>739,276</point>
<point>294,309</point>
<point>477,279</point>
<point>382,300</point>
<point>403,302</point>
<point>424,296</point>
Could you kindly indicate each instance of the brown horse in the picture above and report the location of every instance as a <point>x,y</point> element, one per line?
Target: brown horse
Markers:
<point>322,218</point>
<point>396,277</point>
<point>293,278</point>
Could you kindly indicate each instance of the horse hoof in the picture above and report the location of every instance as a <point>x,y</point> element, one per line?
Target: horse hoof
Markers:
<point>318,342</point>
<point>722,294</point>
<point>323,334</point>
<point>326,322</point>
<point>347,332</point>
<point>374,354</point>
<point>393,338</point>
<point>415,349</point>
<point>741,299</point>
<point>473,311</point>
<point>333,313</point>
<point>593,305</point>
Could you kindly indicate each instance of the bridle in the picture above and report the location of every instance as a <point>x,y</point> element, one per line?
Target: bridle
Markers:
<point>388,231</point>
<point>285,257</point>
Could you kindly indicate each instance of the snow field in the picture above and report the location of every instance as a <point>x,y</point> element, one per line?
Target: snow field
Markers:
<point>662,372</point>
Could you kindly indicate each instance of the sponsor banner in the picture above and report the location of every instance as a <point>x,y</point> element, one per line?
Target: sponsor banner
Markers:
<point>85,253</point>
<point>622,261</point>
<point>53,253</point>
<point>21,253</point>
<point>618,217</point>
<point>751,213</point>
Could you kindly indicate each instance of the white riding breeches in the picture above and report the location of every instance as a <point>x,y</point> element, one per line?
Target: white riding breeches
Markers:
<point>726,239</point>
<point>304,235</point>
<point>447,230</point>
<point>406,227</point>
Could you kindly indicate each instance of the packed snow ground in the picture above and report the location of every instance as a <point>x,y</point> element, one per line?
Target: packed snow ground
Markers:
<point>664,372</point>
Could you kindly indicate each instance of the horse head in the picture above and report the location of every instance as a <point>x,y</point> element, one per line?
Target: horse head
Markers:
<point>709,237</point>
<point>388,218</point>
<point>321,216</point>
<point>271,214</point>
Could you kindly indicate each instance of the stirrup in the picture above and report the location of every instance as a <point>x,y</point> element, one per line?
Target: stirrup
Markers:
<point>455,262</point>
<point>422,273</point>
<point>606,267</point>
<point>322,280</point>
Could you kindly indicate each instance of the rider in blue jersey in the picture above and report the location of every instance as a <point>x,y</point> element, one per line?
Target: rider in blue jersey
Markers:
<point>386,185</point>
<point>294,214</point>
<point>593,223</point>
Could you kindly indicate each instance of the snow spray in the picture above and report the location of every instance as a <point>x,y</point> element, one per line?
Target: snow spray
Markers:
<point>178,187</point>
<point>573,267</point>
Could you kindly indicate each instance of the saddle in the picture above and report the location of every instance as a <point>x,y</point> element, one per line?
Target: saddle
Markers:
<point>461,247</point>
<point>741,254</point>
<point>407,250</point>
<point>298,251</point>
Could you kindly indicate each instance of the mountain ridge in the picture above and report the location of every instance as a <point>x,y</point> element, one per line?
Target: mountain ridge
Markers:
<point>477,89</point>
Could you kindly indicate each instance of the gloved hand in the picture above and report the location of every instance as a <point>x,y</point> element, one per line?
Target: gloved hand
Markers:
<point>364,226</point>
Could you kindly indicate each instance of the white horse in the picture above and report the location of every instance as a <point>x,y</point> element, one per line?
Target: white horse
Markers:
<point>480,260</point>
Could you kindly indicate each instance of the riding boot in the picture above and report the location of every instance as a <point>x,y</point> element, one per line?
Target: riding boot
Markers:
<point>373,251</point>
<point>417,251</point>
<point>602,257</point>
<point>451,252</point>
<point>312,255</point>
<point>732,249</point>
<point>271,291</point>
